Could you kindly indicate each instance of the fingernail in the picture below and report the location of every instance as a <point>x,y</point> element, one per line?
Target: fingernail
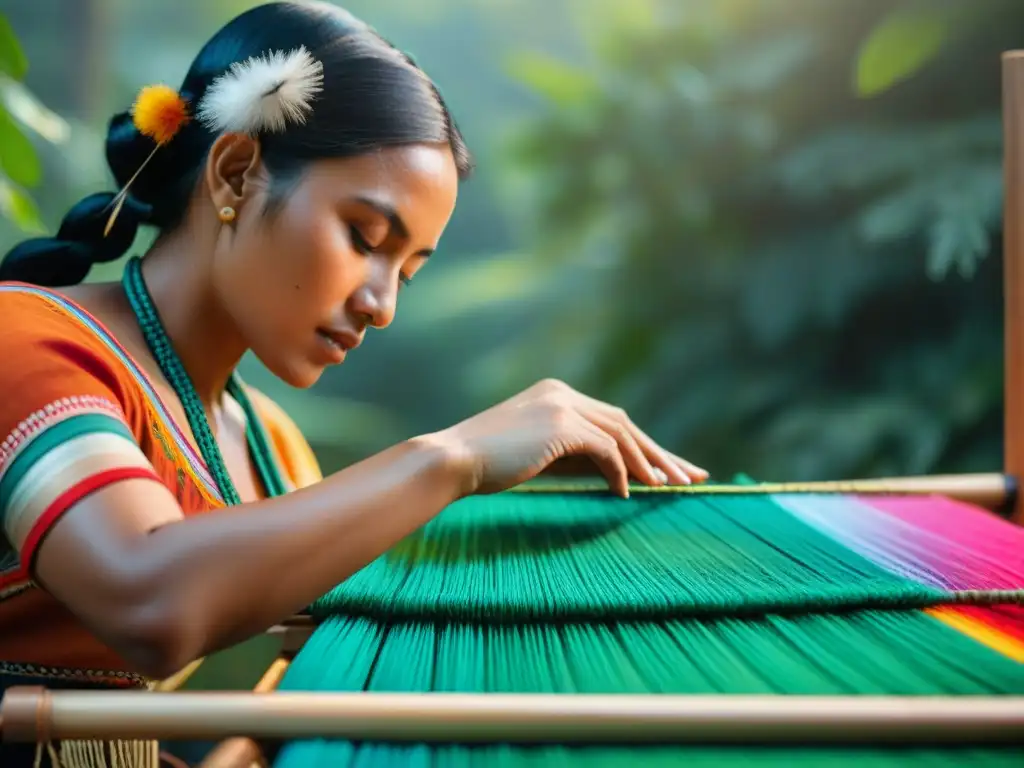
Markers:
<point>660,476</point>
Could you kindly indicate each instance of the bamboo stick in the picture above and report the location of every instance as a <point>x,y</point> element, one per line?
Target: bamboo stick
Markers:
<point>241,751</point>
<point>182,676</point>
<point>988,489</point>
<point>36,715</point>
<point>1013,269</point>
<point>293,633</point>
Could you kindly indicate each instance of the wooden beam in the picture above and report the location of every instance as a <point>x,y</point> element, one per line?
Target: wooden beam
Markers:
<point>1013,270</point>
<point>32,713</point>
<point>240,751</point>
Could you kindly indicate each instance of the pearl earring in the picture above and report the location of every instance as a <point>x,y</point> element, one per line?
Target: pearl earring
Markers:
<point>227,214</point>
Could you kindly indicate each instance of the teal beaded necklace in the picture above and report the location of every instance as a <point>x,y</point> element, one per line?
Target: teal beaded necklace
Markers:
<point>170,364</point>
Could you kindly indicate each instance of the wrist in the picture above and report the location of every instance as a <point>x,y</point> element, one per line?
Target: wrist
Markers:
<point>449,460</point>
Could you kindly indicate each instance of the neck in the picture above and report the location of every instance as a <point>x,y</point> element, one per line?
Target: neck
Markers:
<point>201,332</point>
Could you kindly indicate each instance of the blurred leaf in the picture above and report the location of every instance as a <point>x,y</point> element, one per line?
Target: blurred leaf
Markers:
<point>769,64</point>
<point>899,46</point>
<point>479,286</point>
<point>24,106</point>
<point>862,157</point>
<point>761,237</point>
<point>956,240</point>
<point>555,80</point>
<point>630,18</point>
<point>19,208</point>
<point>18,157</point>
<point>12,59</point>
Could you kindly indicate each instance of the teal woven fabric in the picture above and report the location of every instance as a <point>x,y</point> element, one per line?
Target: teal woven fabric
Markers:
<point>660,594</point>
<point>514,557</point>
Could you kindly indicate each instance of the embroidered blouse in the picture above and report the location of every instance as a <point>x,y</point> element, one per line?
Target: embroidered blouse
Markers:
<point>76,414</point>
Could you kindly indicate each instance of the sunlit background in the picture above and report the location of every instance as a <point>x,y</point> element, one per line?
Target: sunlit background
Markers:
<point>770,230</point>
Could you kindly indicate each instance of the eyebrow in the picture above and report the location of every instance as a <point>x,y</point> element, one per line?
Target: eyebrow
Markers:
<point>394,220</point>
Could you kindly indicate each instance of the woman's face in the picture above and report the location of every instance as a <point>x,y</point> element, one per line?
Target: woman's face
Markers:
<point>305,284</point>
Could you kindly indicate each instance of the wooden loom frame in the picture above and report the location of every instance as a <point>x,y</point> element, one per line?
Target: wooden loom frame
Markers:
<point>35,715</point>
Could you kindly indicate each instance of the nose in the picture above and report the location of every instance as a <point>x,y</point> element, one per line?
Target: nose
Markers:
<point>375,301</point>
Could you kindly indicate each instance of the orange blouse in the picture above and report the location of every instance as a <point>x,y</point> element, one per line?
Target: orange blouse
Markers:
<point>76,414</point>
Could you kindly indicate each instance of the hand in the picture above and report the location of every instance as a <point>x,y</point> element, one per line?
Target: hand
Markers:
<point>519,438</point>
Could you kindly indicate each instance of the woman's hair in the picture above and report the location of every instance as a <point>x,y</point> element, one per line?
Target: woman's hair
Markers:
<point>374,96</point>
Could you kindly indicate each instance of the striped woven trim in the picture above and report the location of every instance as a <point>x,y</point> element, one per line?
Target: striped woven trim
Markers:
<point>56,458</point>
<point>68,674</point>
<point>196,465</point>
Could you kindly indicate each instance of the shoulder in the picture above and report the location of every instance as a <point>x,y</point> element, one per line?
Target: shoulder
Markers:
<point>26,310</point>
<point>293,450</point>
<point>51,346</point>
<point>69,413</point>
<point>29,314</point>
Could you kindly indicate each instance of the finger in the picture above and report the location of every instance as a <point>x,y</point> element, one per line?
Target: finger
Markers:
<point>680,470</point>
<point>660,459</point>
<point>605,453</point>
<point>696,474</point>
<point>677,470</point>
<point>636,459</point>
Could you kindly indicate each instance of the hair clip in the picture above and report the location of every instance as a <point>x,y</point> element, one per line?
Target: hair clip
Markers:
<point>263,93</point>
<point>159,112</point>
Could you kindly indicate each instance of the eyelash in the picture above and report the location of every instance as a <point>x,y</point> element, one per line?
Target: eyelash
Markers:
<point>363,247</point>
<point>358,241</point>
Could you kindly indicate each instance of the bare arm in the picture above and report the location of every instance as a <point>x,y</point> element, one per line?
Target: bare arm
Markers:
<point>166,596</point>
<point>163,590</point>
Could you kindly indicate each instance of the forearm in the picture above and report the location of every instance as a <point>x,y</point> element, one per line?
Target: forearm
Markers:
<point>198,584</point>
<point>241,570</point>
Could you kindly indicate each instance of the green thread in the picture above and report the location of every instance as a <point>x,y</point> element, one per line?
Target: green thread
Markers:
<point>535,557</point>
<point>869,653</point>
<point>170,364</point>
<point>658,594</point>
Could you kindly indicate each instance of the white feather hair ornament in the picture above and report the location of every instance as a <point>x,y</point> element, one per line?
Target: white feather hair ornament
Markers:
<point>263,94</point>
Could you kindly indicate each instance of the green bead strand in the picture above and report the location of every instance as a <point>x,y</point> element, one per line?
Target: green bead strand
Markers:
<point>170,364</point>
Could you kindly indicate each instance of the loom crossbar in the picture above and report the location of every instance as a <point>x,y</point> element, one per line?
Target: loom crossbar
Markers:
<point>515,718</point>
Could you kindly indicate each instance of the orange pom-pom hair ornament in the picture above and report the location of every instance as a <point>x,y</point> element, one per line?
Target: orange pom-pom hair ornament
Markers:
<point>159,112</point>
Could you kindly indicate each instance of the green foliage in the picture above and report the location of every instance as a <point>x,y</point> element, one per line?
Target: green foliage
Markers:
<point>19,208</point>
<point>18,159</point>
<point>900,45</point>
<point>12,59</point>
<point>20,166</point>
<point>556,81</point>
<point>745,241</point>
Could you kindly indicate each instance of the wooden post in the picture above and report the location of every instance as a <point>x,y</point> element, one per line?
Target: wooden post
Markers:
<point>1013,271</point>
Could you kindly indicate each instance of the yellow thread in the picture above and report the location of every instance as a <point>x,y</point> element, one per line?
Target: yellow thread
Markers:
<point>988,636</point>
<point>850,487</point>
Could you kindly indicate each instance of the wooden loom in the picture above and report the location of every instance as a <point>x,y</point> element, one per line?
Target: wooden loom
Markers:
<point>36,715</point>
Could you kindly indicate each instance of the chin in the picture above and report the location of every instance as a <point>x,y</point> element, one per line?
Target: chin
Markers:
<point>295,372</point>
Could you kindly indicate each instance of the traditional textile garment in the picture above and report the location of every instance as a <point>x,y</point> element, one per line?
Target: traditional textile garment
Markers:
<point>689,593</point>
<point>76,413</point>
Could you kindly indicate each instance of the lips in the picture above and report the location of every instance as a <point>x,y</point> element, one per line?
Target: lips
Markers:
<point>343,339</point>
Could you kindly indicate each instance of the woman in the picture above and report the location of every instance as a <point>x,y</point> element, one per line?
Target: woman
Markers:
<point>304,170</point>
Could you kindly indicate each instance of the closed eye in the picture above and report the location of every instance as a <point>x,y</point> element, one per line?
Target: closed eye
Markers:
<point>362,246</point>
<point>359,242</point>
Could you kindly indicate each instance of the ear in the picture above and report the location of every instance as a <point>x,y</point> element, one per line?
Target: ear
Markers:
<point>234,170</point>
